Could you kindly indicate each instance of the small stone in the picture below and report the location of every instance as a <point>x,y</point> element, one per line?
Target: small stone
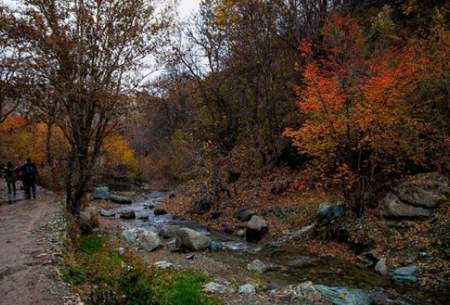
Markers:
<point>381,267</point>
<point>164,265</point>
<point>107,213</point>
<point>257,266</point>
<point>247,290</point>
<point>213,287</point>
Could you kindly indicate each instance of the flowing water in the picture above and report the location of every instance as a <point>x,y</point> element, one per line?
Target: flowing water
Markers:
<point>327,271</point>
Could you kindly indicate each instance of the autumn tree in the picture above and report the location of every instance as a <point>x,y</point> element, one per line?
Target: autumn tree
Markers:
<point>14,76</point>
<point>86,53</point>
<point>361,125</point>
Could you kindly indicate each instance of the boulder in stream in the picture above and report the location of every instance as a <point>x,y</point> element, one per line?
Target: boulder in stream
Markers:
<point>192,240</point>
<point>101,193</point>
<point>127,214</point>
<point>120,199</point>
<point>107,213</point>
<point>256,228</point>
<point>144,239</point>
<point>169,231</point>
<point>344,296</point>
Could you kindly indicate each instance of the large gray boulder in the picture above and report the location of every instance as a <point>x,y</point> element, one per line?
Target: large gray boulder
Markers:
<point>244,214</point>
<point>424,190</point>
<point>344,296</point>
<point>394,207</point>
<point>101,193</point>
<point>144,239</point>
<point>192,240</point>
<point>256,228</point>
<point>306,294</point>
<point>169,231</point>
<point>407,274</point>
<point>120,199</point>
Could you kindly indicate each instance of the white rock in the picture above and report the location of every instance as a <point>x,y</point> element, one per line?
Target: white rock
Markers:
<point>247,289</point>
<point>213,287</point>
<point>163,265</point>
<point>381,267</point>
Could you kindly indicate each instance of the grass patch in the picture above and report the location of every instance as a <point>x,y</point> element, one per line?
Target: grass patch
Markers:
<point>106,278</point>
<point>90,244</point>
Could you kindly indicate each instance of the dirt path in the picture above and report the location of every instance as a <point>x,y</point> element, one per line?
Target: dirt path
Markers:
<point>28,250</point>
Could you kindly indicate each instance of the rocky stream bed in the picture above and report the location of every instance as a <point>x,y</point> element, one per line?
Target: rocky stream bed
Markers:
<point>251,273</point>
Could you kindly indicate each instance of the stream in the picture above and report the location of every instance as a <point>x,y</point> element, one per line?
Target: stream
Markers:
<point>236,252</point>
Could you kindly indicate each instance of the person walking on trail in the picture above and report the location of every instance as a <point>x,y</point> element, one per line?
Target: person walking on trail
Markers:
<point>29,172</point>
<point>10,177</point>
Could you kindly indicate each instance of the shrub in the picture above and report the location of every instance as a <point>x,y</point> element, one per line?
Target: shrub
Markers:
<point>74,274</point>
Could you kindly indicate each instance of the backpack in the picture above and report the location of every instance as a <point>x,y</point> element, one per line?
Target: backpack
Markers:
<point>30,170</point>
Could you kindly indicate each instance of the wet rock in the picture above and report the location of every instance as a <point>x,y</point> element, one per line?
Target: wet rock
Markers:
<point>159,211</point>
<point>107,213</point>
<point>326,211</point>
<point>247,290</point>
<point>213,287</point>
<point>404,275</point>
<point>257,266</point>
<point>216,245</point>
<point>344,296</point>
<point>394,207</point>
<point>192,240</point>
<point>120,199</point>
<point>164,265</point>
<point>244,214</point>
<point>424,190</point>
<point>101,193</point>
<point>169,231</point>
<point>149,205</point>
<point>127,214</point>
<point>256,228</point>
<point>381,266</point>
<point>172,194</point>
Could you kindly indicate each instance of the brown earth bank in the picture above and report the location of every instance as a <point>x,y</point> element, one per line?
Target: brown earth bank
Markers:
<point>30,250</point>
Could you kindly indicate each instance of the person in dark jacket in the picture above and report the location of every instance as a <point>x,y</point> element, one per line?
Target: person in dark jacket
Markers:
<point>29,172</point>
<point>10,177</point>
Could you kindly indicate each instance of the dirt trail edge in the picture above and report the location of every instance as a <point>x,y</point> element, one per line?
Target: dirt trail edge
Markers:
<point>30,249</point>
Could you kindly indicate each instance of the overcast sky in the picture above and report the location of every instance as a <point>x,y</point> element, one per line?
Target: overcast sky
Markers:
<point>186,6</point>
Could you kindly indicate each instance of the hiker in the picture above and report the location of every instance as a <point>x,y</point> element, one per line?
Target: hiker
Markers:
<point>10,177</point>
<point>29,172</point>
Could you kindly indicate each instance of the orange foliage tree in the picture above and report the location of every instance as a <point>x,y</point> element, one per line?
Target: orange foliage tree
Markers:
<point>361,124</point>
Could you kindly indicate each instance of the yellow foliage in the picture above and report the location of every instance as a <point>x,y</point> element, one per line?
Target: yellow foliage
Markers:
<point>118,152</point>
